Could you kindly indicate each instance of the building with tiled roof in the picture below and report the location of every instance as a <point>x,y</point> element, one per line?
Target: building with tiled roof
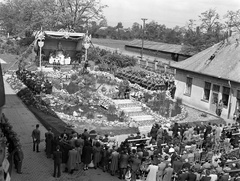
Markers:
<point>158,49</point>
<point>210,76</point>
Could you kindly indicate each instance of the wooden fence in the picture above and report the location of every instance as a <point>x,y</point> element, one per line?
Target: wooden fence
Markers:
<point>157,67</point>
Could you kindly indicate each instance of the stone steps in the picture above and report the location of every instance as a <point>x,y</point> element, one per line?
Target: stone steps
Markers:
<point>133,110</point>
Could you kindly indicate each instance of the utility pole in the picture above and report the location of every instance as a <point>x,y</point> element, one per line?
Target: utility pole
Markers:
<point>143,28</point>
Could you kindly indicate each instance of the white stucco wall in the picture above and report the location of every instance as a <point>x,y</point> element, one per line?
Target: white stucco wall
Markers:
<point>196,98</point>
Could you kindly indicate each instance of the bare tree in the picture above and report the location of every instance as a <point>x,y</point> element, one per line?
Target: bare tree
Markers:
<point>233,20</point>
<point>209,19</point>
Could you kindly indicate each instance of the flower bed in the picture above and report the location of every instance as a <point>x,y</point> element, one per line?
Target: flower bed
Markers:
<point>159,119</point>
<point>75,109</point>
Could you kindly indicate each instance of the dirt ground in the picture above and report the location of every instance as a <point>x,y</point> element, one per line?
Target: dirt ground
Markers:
<point>195,116</point>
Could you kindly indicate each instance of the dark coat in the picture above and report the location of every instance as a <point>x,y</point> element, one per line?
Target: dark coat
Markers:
<point>186,165</point>
<point>65,149</point>
<point>87,154</point>
<point>135,164</point>
<point>123,160</point>
<point>57,157</point>
<point>205,178</point>
<point>36,135</point>
<point>49,142</point>
<point>177,166</point>
<point>192,176</point>
<point>183,176</point>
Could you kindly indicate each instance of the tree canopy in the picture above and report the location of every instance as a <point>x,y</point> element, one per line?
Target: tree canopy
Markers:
<point>22,17</point>
<point>18,16</point>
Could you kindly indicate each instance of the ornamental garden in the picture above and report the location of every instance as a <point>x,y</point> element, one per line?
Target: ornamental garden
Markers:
<point>113,94</point>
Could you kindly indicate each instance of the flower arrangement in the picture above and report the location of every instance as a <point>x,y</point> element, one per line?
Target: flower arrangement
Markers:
<point>62,97</point>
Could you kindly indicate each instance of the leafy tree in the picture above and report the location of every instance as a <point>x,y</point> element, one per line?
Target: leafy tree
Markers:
<point>19,16</point>
<point>93,28</point>
<point>103,23</point>
<point>136,30</point>
<point>75,13</point>
<point>119,26</point>
<point>151,30</point>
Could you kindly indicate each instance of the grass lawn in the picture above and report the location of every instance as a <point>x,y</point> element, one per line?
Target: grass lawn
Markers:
<point>120,44</point>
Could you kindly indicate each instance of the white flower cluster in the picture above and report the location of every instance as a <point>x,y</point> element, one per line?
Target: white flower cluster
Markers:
<point>15,83</point>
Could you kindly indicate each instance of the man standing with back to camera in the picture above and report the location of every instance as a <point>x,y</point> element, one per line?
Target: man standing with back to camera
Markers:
<point>57,157</point>
<point>36,138</point>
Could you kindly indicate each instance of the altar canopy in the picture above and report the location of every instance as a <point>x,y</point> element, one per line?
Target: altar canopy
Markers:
<point>61,47</point>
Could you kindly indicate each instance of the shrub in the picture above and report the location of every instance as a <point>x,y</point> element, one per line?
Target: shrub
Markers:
<point>26,41</point>
<point>56,83</point>
<point>90,115</point>
<point>112,109</point>
<point>74,76</point>
<point>121,116</point>
<point>72,88</point>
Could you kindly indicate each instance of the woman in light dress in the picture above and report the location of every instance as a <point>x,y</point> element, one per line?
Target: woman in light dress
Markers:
<point>152,175</point>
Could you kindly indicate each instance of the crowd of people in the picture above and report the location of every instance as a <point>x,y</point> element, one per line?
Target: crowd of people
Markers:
<point>10,147</point>
<point>34,82</point>
<point>149,80</point>
<point>203,152</point>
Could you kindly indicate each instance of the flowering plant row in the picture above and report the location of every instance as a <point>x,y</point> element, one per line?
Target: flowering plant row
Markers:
<point>159,118</point>
<point>28,97</point>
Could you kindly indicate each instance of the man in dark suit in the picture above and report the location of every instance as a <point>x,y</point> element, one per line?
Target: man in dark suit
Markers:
<point>191,175</point>
<point>49,136</point>
<point>183,175</point>
<point>135,166</point>
<point>57,157</point>
<point>177,165</point>
<point>124,158</point>
<point>36,138</point>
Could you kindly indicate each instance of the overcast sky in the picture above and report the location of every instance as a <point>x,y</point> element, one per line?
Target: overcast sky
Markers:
<point>168,12</point>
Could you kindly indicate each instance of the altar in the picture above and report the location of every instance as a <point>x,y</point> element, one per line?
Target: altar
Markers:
<point>61,47</point>
<point>59,58</point>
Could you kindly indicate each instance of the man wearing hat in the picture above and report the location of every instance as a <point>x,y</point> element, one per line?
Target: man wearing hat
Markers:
<point>138,136</point>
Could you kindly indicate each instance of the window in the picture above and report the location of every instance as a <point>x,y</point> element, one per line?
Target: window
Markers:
<point>225,95</point>
<point>188,86</point>
<point>207,89</point>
